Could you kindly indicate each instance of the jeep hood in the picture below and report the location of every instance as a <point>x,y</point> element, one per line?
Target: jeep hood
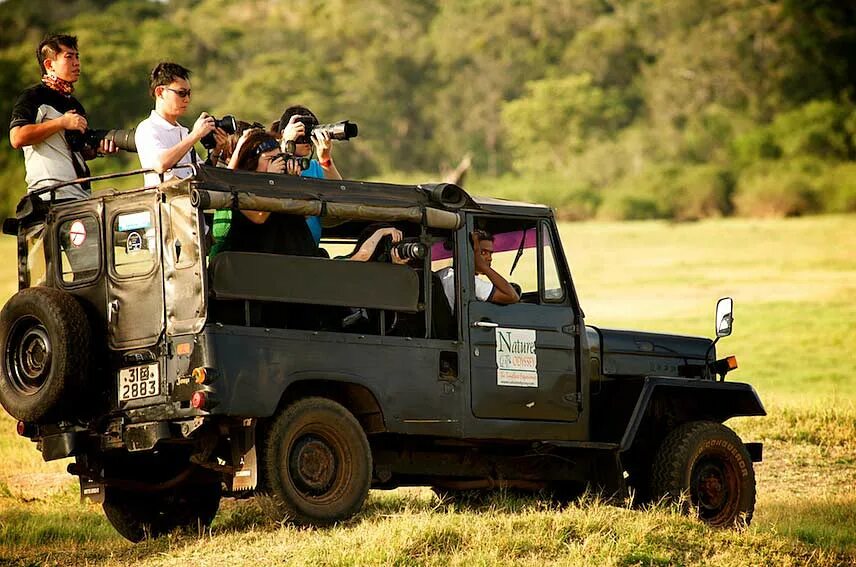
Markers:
<point>639,353</point>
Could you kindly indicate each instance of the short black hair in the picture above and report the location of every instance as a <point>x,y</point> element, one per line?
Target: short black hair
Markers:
<point>484,235</point>
<point>296,110</point>
<point>164,73</point>
<point>52,45</point>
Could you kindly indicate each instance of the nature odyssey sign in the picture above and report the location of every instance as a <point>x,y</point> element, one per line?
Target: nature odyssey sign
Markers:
<point>516,361</point>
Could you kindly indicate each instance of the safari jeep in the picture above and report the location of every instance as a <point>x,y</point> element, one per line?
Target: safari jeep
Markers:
<point>173,378</point>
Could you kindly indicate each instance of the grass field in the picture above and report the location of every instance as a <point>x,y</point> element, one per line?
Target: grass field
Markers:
<point>794,286</point>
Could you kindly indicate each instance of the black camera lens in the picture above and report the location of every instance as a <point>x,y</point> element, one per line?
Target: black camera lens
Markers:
<point>411,250</point>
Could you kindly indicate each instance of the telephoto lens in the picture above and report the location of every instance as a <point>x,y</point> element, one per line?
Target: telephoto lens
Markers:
<point>411,250</point>
<point>344,130</point>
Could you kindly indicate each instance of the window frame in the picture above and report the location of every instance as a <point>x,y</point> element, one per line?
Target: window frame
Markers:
<point>78,215</point>
<point>544,226</point>
<point>112,248</point>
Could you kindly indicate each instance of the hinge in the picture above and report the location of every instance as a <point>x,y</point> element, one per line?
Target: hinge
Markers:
<point>569,329</point>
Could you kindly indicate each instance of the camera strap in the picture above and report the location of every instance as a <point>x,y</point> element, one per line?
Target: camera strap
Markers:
<point>81,170</point>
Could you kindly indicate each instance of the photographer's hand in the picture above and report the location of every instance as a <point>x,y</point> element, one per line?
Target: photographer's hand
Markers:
<point>277,165</point>
<point>294,129</point>
<point>202,127</point>
<point>71,120</point>
<point>107,147</point>
<point>293,167</point>
<point>324,149</point>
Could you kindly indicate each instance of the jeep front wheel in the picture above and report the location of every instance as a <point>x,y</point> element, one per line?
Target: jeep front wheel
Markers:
<point>45,338</point>
<point>318,462</point>
<point>706,463</point>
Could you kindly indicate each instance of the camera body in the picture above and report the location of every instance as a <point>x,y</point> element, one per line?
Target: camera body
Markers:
<point>407,248</point>
<point>91,139</point>
<point>228,124</point>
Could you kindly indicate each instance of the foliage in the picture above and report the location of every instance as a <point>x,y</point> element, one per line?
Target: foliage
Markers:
<point>614,97</point>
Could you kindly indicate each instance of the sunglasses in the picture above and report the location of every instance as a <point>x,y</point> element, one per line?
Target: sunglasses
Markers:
<point>182,93</point>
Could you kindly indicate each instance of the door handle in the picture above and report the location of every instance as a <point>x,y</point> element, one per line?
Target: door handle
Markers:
<point>488,324</point>
<point>112,310</point>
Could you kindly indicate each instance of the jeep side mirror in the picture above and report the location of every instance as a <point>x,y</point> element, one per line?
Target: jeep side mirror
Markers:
<point>724,316</point>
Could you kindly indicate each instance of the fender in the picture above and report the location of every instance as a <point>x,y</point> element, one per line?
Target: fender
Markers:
<point>716,401</point>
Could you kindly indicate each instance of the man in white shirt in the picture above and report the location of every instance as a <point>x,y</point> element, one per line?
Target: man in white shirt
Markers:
<point>497,290</point>
<point>162,143</point>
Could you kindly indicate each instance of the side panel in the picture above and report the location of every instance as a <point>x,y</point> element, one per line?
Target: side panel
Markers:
<point>184,284</point>
<point>253,367</point>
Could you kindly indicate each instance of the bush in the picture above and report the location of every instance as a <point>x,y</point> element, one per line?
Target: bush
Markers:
<point>816,128</point>
<point>697,192</point>
<point>837,187</point>
<point>779,189</point>
<point>670,191</point>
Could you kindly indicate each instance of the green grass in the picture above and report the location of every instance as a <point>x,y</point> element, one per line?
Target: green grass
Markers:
<point>794,285</point>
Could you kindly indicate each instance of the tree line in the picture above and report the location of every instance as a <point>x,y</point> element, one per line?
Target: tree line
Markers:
<point>602,108</point>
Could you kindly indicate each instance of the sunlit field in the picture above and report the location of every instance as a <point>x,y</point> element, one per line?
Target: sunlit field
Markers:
<point>794,286</point>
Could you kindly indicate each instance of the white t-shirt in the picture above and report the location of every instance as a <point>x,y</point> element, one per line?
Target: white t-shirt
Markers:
<point>154,136</point>
<point>484,289</point>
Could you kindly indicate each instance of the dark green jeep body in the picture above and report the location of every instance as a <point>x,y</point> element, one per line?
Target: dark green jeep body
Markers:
<point>171,377</point>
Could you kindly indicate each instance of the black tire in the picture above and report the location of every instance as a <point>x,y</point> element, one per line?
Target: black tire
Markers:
<point>140,515</point>
<point>318,462</point>
<point>708,462</point>
<point>45,337</point>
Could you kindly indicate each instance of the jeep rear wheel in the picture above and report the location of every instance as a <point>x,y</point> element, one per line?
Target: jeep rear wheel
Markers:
<point>138,515</point>
<point>318,462</point>
<point>707,462</point>
<point>45,338</point>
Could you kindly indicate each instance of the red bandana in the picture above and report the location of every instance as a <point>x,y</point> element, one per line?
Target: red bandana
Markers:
<point>57,84</point>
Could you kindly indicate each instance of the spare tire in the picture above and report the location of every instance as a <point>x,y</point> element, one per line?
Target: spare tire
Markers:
<point>45,340</point>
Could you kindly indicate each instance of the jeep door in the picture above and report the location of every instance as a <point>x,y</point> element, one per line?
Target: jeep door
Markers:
<point>523,357</point>
<point>135,305</point>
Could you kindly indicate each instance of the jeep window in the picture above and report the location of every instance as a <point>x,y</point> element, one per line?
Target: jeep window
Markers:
<point>515,257</point>
<point>80,249</point>
<point>526,258</point>
<point>552,288</point>
<point>134,244</point>
<point>36,269</point>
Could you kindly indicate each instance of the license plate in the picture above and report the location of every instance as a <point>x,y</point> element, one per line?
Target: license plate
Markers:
<point>138,382</point>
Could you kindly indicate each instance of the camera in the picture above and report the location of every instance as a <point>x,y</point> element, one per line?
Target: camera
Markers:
<point>342,130</point>
<point>228,124</point>
<point>289,154</point>
<point>302,162</point>
<point>91,139</point>
<point>407,248</point>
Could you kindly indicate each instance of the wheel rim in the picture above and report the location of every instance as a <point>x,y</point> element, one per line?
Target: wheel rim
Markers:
<point>28,356</point>
<point>318,465</point>
<point>715,489</point>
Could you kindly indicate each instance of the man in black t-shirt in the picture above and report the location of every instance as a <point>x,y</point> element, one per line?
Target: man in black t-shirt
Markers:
<point>45,112</point>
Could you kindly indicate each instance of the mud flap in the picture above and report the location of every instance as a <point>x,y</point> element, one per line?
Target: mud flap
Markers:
<point>91,491</point>
<point>244,456</point>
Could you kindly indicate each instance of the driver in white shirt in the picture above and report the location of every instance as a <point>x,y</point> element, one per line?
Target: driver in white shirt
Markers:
<point>496,290</point>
